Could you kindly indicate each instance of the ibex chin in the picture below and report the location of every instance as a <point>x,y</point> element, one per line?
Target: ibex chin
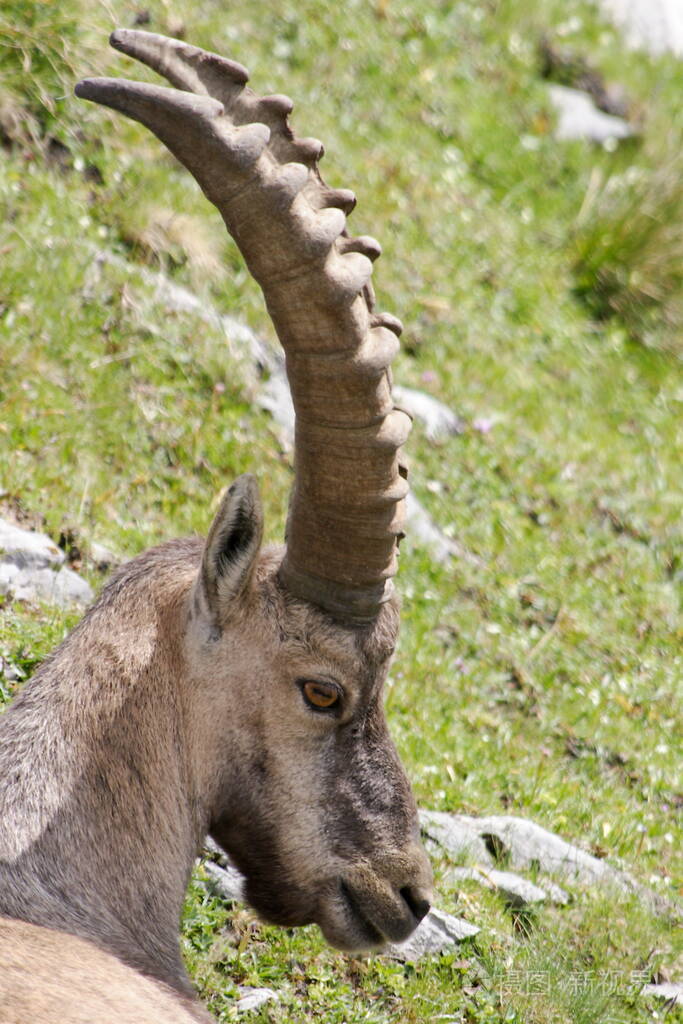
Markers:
<point>217,687</point>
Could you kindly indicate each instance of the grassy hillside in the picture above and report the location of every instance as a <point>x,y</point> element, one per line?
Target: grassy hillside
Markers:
<point>541,677</point>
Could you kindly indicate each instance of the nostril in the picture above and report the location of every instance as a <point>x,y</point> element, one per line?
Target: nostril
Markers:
<point>417,902</point>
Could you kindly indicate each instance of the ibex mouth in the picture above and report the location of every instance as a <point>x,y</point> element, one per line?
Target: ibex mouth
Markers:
<point>371,922</point>
<point>371,936</point>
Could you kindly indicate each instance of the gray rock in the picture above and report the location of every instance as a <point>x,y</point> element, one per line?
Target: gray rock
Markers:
<point>517,892</point>
<point>177,299</point>
<point>579,118</point>
<point>275,397</point>
<point>180,300</point>
<point>462,841</point>
<point>70,588</point>
<point>62,588</point>
<point>422,531</point>
<point>462,838</point>
<point>652,25</point>
<point>10,672</point>
<point>555,893</point>
<point>528,845</point>
<point>27,549</point>
<point>473,874</point>
<point>436,932</point>
<point>523,845</point>
<point>669,991</point>
<point>103,558</point>
<point>523,842</point>
<point>226,882</point>
<point>253,998</point>
<point>438,420</point>
<point>8,573</point>
<point>216,853</point>
<point>32,569</point>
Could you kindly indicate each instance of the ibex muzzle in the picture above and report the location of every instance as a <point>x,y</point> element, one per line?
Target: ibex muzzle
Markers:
<point>220,687</point>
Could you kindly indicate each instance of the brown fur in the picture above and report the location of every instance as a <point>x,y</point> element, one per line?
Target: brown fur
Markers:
<point>174,708</point>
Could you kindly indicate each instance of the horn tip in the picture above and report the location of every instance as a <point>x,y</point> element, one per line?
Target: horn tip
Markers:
<point>119,38</point>
<point>90,88</point>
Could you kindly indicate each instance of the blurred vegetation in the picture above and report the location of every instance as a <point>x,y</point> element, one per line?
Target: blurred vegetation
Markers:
<point>38,47</point>
<point>541,678</point>
<point>630,249</point>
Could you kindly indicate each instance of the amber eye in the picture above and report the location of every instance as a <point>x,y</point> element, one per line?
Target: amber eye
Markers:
<point>320,696</point>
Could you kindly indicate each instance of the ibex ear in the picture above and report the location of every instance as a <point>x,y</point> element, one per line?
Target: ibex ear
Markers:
<point>232,547</point>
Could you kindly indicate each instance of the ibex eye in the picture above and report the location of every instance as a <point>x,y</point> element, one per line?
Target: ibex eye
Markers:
<point>320,696</point>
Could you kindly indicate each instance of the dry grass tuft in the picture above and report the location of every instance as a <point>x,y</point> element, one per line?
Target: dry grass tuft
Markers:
<point>629,251</point>
<point>164,236</point>
<point>17,125</point>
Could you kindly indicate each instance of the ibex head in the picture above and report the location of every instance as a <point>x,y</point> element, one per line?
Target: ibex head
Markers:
<point>309,797</point>
<point>283,654</point>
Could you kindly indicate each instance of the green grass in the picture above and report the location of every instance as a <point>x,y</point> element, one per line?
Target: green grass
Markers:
<point>544,681</point>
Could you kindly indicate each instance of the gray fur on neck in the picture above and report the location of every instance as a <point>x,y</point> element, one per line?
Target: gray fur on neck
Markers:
<point>102,841</point>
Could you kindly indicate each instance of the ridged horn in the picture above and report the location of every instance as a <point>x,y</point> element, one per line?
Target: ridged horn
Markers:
<point>346,508</point>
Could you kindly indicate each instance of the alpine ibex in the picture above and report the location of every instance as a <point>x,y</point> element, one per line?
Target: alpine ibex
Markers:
<point>215,687</point>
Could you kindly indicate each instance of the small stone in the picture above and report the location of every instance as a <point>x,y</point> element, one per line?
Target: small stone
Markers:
<point>103,558</point>
<point>436,932</point>
<point>61,588</point>
<point>27,548</point>
<point>214,852</point>
<point>555,893</point>
<point>669,991</point>
<point>275,397</point>
<point>253,998</point>
<point>70,588</point>
<point>8,573</point>
<point>579,118</point>
<point>517,892</point>
<point>655,26</point>
<point>226,882</point>
<point>10,672</point>
<point>470,875</point>
<point>423,531</point>
<point>30,570</point>
<point>438,420</point>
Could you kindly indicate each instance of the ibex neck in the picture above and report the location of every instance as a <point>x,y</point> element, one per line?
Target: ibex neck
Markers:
<point>99,824</point>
